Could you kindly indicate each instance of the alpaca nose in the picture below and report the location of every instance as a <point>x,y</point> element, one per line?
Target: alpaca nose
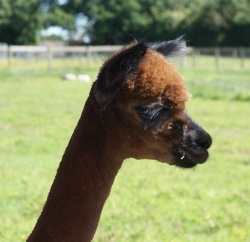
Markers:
<point>203,139</point>
<point>198,136</point>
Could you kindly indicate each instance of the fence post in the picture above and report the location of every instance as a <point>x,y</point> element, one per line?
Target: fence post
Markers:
<point>78,55</point>
<point>234,53</point>
<point>9,57</point>
<point>88,55</point>
<point>242,55</point>
<point>195,53</point>
<point>49,58</point>
<point>217,58</point>
<point>5,51</point>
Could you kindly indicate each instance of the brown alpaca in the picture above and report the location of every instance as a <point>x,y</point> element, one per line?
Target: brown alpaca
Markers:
<point>136,108</point>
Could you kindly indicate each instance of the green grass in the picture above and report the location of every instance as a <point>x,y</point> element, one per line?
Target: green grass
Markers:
<point>230,85</point>
<point>205,62</point>
<point>149,201</point>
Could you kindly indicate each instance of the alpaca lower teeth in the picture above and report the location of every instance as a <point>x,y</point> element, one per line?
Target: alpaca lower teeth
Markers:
<point>182,157</point>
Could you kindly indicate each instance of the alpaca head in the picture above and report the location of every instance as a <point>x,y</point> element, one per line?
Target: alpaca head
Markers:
<point>142,97</point>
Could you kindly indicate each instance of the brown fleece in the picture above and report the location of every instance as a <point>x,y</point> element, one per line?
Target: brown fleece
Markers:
<point>156,78</point>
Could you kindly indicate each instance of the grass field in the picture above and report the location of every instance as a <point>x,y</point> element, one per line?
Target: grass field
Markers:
<point>149,201</point>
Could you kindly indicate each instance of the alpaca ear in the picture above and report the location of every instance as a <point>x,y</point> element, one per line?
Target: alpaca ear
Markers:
<point>172,47</point>
<point>116,71</point>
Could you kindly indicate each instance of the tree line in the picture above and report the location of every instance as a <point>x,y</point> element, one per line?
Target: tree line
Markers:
<point>203,22</point>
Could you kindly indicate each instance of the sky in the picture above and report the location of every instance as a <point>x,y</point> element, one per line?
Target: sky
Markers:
<point>55,30</point>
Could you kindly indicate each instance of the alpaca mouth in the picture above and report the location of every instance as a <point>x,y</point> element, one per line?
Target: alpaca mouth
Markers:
<point>188,159</point>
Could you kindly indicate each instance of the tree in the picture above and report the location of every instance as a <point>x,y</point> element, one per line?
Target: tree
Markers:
<point>205,23</point>
<point>238,16</point>
<point>55,15</point>
<point>218,23</point>
<point>20,21</point>
<point>117,22</point>
<point>110,22</point>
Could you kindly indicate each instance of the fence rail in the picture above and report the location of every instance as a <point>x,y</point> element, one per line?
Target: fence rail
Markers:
<point>13,55</point>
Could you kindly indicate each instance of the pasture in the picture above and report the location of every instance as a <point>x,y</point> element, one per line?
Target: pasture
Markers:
<point>149,201</point>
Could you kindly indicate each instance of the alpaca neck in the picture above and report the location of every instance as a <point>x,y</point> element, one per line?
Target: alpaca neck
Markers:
<point>81,186</point>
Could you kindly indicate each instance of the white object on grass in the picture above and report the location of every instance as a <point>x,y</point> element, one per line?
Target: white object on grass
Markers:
<point>70,76</point>
<point>83,78</point>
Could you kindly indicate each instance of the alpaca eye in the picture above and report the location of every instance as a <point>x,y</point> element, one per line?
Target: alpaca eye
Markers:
<point>144,112</point>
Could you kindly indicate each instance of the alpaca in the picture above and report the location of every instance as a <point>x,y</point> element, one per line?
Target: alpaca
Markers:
<point>136,108</point>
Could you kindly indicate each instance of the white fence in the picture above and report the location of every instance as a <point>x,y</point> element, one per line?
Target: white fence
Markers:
<point>12,57</point>
<point>34,53</point>
<point>239,57</point>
